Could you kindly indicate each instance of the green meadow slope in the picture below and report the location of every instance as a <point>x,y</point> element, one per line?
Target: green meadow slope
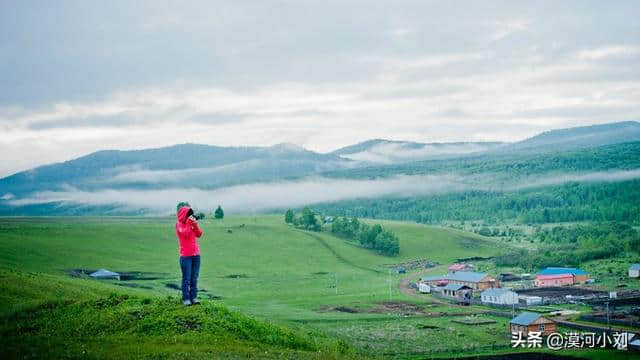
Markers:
<point>263,266</point>
<point>269,291</point>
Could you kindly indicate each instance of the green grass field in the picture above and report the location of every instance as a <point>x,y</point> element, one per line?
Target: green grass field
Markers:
<point>295,284</point>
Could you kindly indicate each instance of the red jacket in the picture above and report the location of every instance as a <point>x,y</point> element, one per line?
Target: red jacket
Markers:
<point>187,231</point>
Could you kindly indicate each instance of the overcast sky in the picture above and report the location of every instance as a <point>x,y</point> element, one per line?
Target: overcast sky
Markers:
<point>82,76</point>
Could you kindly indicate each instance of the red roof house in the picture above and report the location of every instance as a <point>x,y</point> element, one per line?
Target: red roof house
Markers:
<point>554,280</point>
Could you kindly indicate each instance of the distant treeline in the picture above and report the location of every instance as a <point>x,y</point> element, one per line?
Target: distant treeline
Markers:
<point>574,245</point>
<point>370,236</point>
<point>571,202</point>
<point>307,220</point>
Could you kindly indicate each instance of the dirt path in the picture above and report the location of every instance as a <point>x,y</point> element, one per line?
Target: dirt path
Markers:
<point>404,288</point>
<point>335,253</point>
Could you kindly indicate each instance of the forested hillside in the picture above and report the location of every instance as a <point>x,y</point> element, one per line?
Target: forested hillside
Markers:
<point>619,201</point>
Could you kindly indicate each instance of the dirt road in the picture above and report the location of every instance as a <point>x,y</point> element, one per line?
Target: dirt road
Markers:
<point>404,288</point>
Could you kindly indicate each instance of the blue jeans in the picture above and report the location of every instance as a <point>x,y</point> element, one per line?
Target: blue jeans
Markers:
<point>190,266</point>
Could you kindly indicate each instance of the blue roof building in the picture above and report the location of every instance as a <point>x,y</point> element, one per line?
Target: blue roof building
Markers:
<point>562,270</point>
<point>470,278</point>
<point>455,287</point>
<point>528,322</point>
<point>466,276</point>
<point>525,318</point>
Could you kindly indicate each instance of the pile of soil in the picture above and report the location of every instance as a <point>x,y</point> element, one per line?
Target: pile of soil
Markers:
<point>400,307</point>
<point>344,309</point>
<point>414,264</point>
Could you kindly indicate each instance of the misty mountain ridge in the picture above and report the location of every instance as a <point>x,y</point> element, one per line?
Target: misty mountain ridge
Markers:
<point>581,137</point>
<point>381,151</point>
<point>206,167</point>
<point>185,165</point>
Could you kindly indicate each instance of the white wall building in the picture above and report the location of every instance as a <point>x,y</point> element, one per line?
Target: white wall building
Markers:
<point>424,288</point>
<point>634,271</point>
<point>499,297</point>
<point>531,300</point>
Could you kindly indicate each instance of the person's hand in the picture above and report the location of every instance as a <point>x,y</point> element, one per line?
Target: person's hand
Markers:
<point>193,219</point>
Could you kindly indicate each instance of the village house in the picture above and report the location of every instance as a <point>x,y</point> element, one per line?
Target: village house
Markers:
<point>462,292</point>
<point>499,297</point>
<point>528,322</point>
<point>634,271</point>
<point>474,280</point>
<point>579,276</point>
<point>530,299</point>
<point>554,280</point>
<point>434,281</point>
<point>424,288</point>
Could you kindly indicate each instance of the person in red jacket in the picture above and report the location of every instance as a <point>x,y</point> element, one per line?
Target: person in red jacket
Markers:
<point>188,232</point>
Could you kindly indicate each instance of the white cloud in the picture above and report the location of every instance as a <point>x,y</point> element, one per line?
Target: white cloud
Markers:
<point>393,152</point>
<point>263,196</point>
<point>504,28</point>
<point>606,52</point>
<point>322,76</point>
<point>255,197</point>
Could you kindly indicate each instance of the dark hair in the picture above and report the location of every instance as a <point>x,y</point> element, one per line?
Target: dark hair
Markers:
<point>190,212</point>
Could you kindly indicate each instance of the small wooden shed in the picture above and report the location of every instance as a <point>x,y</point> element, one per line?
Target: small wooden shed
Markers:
<point>528,322</point>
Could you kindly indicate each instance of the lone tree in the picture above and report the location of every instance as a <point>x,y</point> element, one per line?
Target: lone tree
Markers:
<point>289,216</point>
<point>181,204</point>
<point>219,213</point>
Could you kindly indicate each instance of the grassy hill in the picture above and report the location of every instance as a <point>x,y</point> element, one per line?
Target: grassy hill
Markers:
<point>256,265</point>
<point>49,316</point>
<point>263,266</point>
<point>269,291</point>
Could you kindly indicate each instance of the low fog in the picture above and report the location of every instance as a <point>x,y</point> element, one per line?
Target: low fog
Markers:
<point>392,152</point>
<point>251,198</point>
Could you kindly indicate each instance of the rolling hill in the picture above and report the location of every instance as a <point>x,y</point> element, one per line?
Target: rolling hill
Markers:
<point>188,165</point>
<point>265,286</point>
<point>380,151</point>
<point>112,178</point>
<point>580,137</point>
<point>268,290</point>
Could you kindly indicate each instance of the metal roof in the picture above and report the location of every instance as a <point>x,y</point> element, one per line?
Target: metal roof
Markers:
<point>495,292</point>
<point>104,273</point>
<point>562,270</point>
<point>467,276</point>
<point>455,287</point>
<point>525,318</point>
<point>634,267</point>
<point>432,278</point>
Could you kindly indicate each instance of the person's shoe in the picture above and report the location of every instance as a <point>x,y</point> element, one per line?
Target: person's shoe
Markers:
<point>187,302</point>
<point>195,302</point>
